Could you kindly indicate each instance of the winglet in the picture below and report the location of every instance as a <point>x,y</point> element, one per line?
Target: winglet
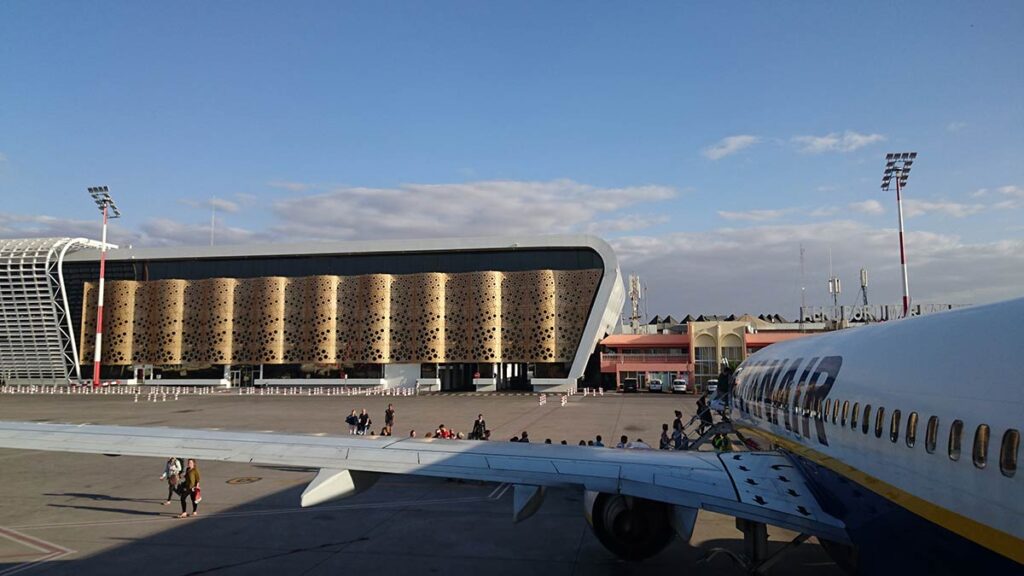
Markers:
<point>330,484</point>
<point>526,501</point>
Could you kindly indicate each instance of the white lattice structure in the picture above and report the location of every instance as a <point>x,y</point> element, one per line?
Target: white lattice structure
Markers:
<point>37,342</point>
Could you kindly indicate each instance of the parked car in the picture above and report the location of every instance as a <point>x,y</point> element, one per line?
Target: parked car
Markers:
<point>655,385</point>
<point>680,386</point>
<point>629,385</point>
<point>711,387</point>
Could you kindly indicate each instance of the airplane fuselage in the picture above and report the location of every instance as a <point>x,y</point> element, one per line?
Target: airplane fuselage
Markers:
<point>909,431</point>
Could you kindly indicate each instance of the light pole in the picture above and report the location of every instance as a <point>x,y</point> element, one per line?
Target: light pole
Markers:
<point>106,204</point>
<point>897,167</point>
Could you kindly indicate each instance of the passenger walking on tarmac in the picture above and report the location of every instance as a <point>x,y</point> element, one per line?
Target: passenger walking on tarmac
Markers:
<point>389,419</point>
<point>598,442</point>
<point>189,487</point>
<point>665,442</point>
<point>172,470</point>
<point>524,437</point>
<point>479,426</point>
<point>364,423</point>
<point>623,441</point>
<point>353,422</point>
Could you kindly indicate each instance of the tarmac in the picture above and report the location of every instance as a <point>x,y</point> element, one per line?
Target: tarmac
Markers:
<point>82,514</point>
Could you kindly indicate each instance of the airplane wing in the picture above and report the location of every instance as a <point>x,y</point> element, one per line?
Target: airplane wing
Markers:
<point>758,486</point>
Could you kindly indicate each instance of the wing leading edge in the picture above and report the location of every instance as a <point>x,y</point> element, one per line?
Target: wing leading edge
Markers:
<point>744,484</point>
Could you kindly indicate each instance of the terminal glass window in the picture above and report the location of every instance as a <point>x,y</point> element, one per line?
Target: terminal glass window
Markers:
<point>955,431</point>
<point>853,415</point>
<point>846,409</point>
<point>734,354</point>
<point>931,435</point>
<point>981,446</point>
<point>866,423</point>
<point>705,365</point>
<point>1008,453</point>
<point>894,426</point>
<point>911,429</point>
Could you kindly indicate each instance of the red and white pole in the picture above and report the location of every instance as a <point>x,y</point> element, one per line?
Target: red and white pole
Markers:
<point>99,304</point>
<point>903,252</point>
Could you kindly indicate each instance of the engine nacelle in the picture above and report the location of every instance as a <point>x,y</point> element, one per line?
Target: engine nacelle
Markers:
<point>636,528</point>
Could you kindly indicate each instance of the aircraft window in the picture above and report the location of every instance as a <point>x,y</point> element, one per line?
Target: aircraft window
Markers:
<point>853,415</point>
<point>894,426</point>
<point>955,431</point>
<point>1008,453</point>
<point>846,408</point>
<point>879,422</point>
<point>828,404</point>
<point>981,446</point>
<point>866,423</point>
<point>911,429</point>
<point>931,434</point>
<point>835,411</point>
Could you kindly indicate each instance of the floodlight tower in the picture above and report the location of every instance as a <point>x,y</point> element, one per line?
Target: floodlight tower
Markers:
<point>101,195</point>
<point>897,167</point>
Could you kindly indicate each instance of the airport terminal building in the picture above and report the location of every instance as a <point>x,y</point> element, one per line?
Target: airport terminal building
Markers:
<point>460,314</point>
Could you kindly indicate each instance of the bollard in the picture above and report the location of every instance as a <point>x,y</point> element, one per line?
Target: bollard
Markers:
<point>565,400</point>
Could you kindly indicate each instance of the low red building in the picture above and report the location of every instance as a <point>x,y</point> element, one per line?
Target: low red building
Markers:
<point>694,351</point>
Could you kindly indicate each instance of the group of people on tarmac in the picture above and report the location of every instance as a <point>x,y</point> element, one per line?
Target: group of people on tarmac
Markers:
<point>182,480</point>
<point>360,424</point>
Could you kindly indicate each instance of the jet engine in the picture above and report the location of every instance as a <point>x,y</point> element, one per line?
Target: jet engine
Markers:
<point>636,528</point>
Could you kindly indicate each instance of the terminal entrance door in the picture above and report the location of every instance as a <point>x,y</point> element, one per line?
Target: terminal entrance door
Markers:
<point>242,376</point>
<point>456,377</point>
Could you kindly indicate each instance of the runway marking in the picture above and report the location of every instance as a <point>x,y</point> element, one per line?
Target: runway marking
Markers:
<point>49,550</point>
<point>494,495</point>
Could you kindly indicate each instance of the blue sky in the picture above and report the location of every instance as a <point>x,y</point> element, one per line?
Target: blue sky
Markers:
<point>706,141</point>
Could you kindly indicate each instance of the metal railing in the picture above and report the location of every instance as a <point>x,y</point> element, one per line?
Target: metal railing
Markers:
<point>645,358</point>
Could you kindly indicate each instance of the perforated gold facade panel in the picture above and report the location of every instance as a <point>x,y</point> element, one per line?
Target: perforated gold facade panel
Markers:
<point>535,316</point>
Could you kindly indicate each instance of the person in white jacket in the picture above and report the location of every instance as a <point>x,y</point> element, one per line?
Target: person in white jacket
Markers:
<point>172,472</point>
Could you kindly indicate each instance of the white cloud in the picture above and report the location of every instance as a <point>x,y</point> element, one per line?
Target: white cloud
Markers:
<point>757,269</point>
<point>1014,191</point>
<point>955,127</point>
<point>823,212</point>
<point>847,141</point>
<point>219,203</point>
<point>627,223</point>
<point>979,193</point>
<point>868,207</point>
<point>484,208</point>
<point>290,186</point>
<point>913,207</point>
<point>224,205</point>
<point>753,215</point>
<point>730,145</point>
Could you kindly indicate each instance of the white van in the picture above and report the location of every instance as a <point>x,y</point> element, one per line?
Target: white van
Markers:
<point>680,386</point>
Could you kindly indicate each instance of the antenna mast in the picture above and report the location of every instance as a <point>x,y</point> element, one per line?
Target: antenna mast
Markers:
<point>803,288</point>
<point>635,294</point>
<point>834,287</point>
<point>864,285</point>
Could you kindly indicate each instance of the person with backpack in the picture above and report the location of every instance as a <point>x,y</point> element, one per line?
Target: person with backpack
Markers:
<point>172,469</point>
<point>364,423</point>
<point>353,422</point>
